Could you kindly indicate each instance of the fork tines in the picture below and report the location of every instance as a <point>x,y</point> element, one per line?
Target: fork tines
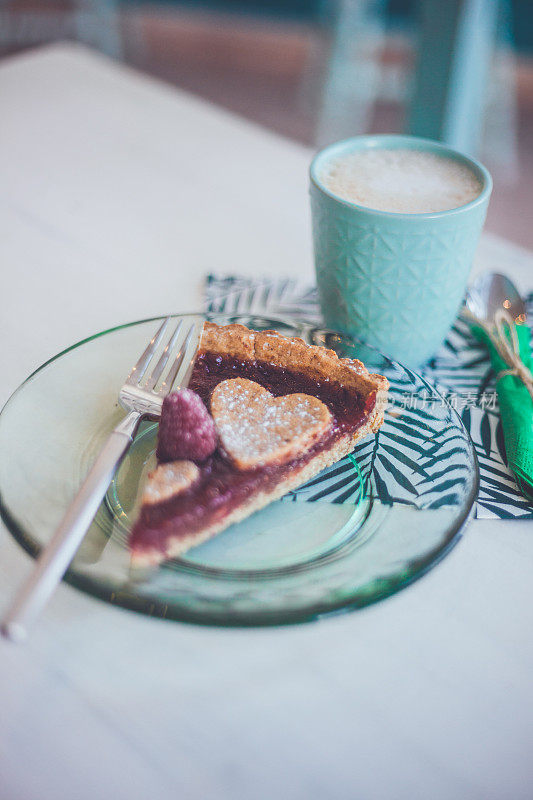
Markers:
<point>179,340</point>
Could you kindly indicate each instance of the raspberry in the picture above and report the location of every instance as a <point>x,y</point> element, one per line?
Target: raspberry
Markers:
<point>185,429</point>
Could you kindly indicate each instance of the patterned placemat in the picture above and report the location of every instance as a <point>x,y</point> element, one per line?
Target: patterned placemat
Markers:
<point>461,370</point>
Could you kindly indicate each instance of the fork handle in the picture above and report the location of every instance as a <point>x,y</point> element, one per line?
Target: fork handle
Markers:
<point>57,555</point>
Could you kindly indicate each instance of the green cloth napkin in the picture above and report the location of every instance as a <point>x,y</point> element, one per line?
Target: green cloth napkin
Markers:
<point>516,410</point>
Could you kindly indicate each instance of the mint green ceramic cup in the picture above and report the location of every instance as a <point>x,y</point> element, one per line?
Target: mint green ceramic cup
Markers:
<point>396,281</point>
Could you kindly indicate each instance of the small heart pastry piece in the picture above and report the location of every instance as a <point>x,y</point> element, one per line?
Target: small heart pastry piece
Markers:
<point>255,428</point>
<point>169,479</point>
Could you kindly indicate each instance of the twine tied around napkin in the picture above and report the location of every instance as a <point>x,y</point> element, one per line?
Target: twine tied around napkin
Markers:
<point>510,354</point>
<point>505,339</point>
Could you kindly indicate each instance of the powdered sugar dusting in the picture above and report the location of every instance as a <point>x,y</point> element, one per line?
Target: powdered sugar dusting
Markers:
<point>256,428</point>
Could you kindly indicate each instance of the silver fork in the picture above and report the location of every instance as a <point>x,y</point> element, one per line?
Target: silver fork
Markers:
<point>139,400</point>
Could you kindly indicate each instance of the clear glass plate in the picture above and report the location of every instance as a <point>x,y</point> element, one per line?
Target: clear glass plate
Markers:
<point>369,526</point>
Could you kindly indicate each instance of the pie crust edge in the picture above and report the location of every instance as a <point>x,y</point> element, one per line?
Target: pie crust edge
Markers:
<point>293,354</point>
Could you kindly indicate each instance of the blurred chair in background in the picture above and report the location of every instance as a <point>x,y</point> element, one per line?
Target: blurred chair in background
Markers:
<point>461,91</point>
<point>95,23</point>
<point>455,48</point>
<point>350,82</point>
<point>459,57</point>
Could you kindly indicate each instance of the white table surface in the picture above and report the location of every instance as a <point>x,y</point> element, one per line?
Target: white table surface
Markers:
<point>116,195</point>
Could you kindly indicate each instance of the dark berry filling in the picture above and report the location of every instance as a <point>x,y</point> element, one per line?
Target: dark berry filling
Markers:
<point>221,487</point>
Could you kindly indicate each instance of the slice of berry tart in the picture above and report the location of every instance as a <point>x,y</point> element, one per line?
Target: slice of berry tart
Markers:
<point>262,415</point>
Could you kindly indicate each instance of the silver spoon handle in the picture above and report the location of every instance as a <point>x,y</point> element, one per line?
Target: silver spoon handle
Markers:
<point>57,555</point>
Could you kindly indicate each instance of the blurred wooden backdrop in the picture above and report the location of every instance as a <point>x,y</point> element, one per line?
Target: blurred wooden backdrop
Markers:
<point>266,60</point>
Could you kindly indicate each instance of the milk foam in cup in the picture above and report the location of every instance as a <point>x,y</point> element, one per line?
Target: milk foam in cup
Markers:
<point>401,180</point>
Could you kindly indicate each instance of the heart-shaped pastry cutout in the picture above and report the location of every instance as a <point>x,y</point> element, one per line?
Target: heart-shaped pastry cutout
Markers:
<point>169,479</point>
<point>255,428</point>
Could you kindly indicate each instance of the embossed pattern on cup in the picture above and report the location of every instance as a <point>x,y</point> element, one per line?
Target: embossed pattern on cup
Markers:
<point>394,280</point>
